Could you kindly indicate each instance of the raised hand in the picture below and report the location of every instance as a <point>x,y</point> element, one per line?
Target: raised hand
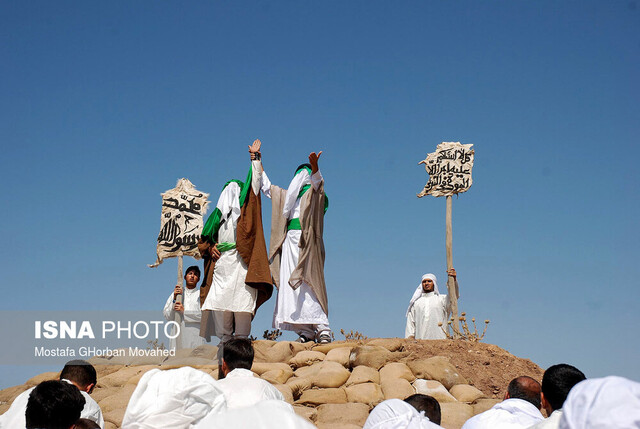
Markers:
<point>255,149</point>
<point>313,160</point>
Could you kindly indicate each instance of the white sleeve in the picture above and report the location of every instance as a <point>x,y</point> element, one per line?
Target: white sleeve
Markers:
<point>316,179</point>
<point>256,176</point>
<point>410,330</point>
<point>92,410</point>
<point>265,184</point>
<point>192,312</point>
<point>167,311</point>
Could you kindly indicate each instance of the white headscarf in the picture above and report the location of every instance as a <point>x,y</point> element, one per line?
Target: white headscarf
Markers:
<point>397,414</point>
<point>229,202</point>
<point>175,399</point>
<point>419,290</point>
<point>269,414</point>
<point>602,403</point>
<point>301,178</point>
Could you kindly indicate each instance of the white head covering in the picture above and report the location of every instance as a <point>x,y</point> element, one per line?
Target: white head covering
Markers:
<point>175,399</point>
<point>397,414</point>
<point>301,178</point>
<point>269,414</point>
<point>419,291</point>
<point>602,403</point>
<point>229,202</point>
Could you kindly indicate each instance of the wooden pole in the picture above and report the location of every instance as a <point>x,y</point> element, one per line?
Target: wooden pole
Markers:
<point>179,299</point>
<point>451,287</point>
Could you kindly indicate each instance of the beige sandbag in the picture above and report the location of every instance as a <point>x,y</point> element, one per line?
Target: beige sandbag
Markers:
<point>391,344</point>
<point>396,370</point>
<point>262,367</point>
<point>286,392</point>
<point>331,374</point>
<point>260,349</point>
<point>398,388</point>
<point>482,405</point>
<point>306,358</point>
<point>466,393</point>
<point>299,385</point>
<point>205,351</point>
<point>323,396</point>
<point>118,400</point>
<point>437,368</point>
<point>325,348</point>
<point>45,376</point>
<point>435,389</point>
<point>350,413</point>
<point>9,394</point>
<point>365,393</point>
<point>363,374</point>
<point>371,356</point>
<point>110,425</point>
<point>120,378</point>
<point>340,355</point>
<point>281,351</point>
<point>277,376</point>
<point>192,361</point>
<point>114,417</point>
<point>455,414</point>
<point>308,413</point>
<point>308,371</point>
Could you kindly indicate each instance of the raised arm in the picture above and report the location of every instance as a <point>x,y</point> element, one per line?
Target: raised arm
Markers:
<point>316,176</point>
<point>264,183</point>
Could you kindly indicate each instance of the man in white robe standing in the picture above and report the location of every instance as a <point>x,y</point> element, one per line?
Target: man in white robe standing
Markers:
<point>233,240</point>
<point>296,253</point>
<point>428,308</point>
<point>190,309</point>
<point>519,410</point>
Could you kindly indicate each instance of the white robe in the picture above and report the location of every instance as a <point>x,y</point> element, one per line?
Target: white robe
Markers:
<point>602,403</point>
<point>295,306</point>
<point>14,417</point>
<point>242,388</point>
<point>425,314</point>
<point>176,399</point>
<point>397,414</point>
<point>552,422</point>
<point>269,414</point>
<point>511,413</point>
<point>190,326</point>
<point>228,291</point>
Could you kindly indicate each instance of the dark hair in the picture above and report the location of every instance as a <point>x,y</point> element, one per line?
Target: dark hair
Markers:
<point>426,403</point>
<point>193,268</point>
<point>53,404</point>
<point>301,166</point>
<point>80,372</point>
<point>86,424</point>
<point>238,353</point>
<point>526,388</point>
<point>557,381</point>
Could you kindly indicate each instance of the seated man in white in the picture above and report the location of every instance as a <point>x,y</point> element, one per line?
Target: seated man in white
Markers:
<point>557,381</point>
<point>519,410</point>
<point>240,386</point>
<point>81,374</point>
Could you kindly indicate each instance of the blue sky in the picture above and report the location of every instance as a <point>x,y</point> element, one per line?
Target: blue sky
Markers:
<point>105,105</point>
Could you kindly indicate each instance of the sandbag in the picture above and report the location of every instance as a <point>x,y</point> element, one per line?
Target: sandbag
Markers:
<point>398,389</point>
<point>435,389</point>
<point>323,396</point>
<point>455,414</point>
<point>350,413</point>
<point>363,374</point>
<point>396,370</point>
<point>437,368</point>
<point>466,393</point>
<point>340,355</point>
<point>306,358</point>
<point>365,393</point>
<point>330,374</point>
<point>277,376</point>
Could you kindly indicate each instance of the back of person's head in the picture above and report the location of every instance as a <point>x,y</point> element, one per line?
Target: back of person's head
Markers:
<point>525,388</point>
<point>426,403</point>
<point>193,268</point>
<point>53,404</point>
<point>558,381</point>
<point>80,372</point>
<point>86,424</point>
<point>238,353</point>
<point>303,166</point>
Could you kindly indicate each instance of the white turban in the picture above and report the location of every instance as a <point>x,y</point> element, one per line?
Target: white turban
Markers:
<point>420,290</point>
<point>175,399</point>
<point>602,403</point>
<point>301,178</point>
<point>397,414</point>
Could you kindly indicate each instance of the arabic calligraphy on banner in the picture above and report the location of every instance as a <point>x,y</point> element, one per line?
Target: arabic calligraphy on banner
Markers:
<point>183,208</point>
<point>449,169</point>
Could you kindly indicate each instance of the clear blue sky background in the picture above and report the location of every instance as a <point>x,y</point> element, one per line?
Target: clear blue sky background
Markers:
<point>105,105</point>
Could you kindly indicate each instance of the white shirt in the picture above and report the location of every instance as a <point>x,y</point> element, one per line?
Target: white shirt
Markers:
<point>424,316</point>
<point>242,388</point>
<point>511,413</point>
<point>15,415</point>
<point>269,414</point>
<point>190,327</point>
<point>552,422</point>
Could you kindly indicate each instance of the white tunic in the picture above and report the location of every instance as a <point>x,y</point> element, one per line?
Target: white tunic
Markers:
<point>425,314</point>
<point>15,415</point>
<point>511,413</point>
<point>294,306</point>
<point>190,326</point>
<point>552,422</point>
<point>270,414</point>
<point>228,291</point>
<point>242,388</point>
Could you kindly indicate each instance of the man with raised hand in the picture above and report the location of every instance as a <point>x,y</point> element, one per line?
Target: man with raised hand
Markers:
<point>296,252</point>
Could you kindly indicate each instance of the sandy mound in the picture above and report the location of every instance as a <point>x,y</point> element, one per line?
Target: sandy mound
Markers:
<point>335,385</point>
